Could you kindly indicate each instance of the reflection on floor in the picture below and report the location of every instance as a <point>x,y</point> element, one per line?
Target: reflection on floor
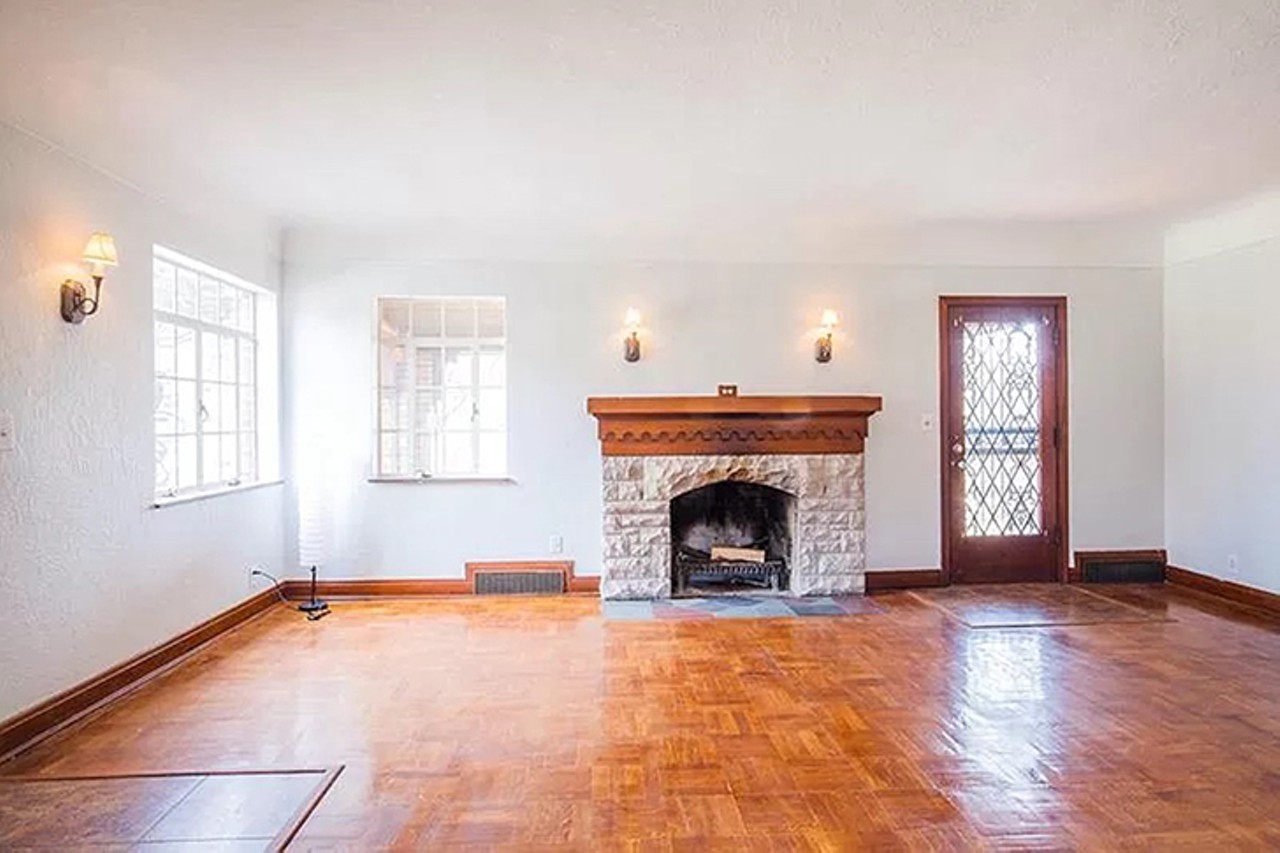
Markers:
<point>1034,605</point>
<point>535,722</point>
<point>153,812</point>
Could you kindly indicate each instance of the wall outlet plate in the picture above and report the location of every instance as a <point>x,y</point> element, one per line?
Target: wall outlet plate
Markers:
<point>927,422</point>
<point>556,543</point>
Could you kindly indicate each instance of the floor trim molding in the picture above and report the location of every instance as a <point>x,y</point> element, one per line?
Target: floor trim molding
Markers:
<point>1236,593</point>
<point>298,589</point>
<point>27,728</point>
<point>886,580</point>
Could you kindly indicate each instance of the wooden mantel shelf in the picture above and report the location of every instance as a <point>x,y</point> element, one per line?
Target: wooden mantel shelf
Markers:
<point>699,426</point>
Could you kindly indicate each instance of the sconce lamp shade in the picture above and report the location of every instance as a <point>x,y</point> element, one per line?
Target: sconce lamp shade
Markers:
<point>101,250</point>
<point>830,318</point>
<point>632,319</point>
<point>313,531</point>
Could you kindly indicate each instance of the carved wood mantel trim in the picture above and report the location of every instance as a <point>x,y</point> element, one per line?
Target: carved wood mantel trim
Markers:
<point>699,426</point>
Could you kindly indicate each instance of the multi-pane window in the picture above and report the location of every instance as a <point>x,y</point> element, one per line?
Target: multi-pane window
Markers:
<point>207,353</point>
<point>442,387</point>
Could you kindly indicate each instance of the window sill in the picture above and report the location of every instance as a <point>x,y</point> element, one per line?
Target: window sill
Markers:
<point>161,503</point>
<point>442,478</point>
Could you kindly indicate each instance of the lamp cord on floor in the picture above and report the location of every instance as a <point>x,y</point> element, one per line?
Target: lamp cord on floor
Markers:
<point>275,583</point>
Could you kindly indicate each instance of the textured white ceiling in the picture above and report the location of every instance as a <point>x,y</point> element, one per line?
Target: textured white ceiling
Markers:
<point>762,117</point>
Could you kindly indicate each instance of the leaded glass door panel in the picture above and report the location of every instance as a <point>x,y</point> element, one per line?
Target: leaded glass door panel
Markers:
<point>1002,455</point>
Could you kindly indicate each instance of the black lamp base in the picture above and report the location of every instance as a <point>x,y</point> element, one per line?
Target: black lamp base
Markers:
<point>315,608</point>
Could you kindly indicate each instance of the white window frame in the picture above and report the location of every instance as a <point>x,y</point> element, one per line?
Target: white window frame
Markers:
<point>423,471</point>
<point>262,337</point>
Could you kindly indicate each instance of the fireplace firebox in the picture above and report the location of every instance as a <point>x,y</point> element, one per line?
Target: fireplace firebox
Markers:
<point>731,536</point>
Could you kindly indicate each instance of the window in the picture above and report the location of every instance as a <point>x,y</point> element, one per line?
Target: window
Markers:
<point>215,357</point>
<point>442,387</point>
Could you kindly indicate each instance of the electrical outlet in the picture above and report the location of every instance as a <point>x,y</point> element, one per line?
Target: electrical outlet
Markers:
<point>556,543</point>
<point>926,422</point>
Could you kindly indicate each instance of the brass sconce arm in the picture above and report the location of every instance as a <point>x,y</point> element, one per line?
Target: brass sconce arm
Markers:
<point>76,305</point>
<point>99,253</point>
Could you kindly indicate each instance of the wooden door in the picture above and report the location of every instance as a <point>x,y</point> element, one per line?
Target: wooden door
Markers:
<point>1004,439</point>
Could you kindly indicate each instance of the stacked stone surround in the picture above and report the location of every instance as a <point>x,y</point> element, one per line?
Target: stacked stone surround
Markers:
<point>829,536</point>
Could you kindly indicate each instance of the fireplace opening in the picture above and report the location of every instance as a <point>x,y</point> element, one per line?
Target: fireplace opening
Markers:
<point>731,537</point>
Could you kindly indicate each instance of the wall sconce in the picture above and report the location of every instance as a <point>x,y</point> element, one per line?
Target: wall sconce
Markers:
<point>99,253</point>
<point>822,346</point>
<point>631,351</point>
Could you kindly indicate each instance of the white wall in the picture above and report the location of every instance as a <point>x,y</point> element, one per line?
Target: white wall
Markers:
<point>1222,394</point>
<point>89,574</point>
<point>707,323</point>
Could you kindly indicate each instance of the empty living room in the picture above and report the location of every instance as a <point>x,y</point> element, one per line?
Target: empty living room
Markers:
<point>647,426</point>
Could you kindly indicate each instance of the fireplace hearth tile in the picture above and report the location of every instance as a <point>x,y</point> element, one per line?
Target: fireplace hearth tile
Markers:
<point>739,607</point>
<point>626,610</point>
<point>761,608</point>
<point>816,607</point>
<point>671,610</point>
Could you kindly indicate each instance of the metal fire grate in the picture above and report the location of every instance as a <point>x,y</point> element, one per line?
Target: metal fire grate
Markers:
<point>1121,567</point>
<point>518,583</point>
<point>771,574</point>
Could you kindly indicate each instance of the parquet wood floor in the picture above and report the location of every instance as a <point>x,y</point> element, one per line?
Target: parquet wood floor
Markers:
<point>157,812</point>
<point>535,724</point>
<point>1034,606</point>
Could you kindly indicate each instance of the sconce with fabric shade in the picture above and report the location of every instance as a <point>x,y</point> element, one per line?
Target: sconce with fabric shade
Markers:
<point>99,253</point>
<point>822,346</point>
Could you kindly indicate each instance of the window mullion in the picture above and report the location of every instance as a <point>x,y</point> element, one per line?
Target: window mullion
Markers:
<point>235,390</point>
<point>200,409</point>
<point>475,397</point>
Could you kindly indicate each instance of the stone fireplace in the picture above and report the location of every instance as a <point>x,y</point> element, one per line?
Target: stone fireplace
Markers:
<point>665,452</point>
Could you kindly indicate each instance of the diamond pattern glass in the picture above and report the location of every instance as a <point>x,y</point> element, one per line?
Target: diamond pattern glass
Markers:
<point>1002,477</point>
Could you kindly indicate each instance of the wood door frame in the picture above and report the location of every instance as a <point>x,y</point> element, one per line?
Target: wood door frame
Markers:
<point>1058,304</point>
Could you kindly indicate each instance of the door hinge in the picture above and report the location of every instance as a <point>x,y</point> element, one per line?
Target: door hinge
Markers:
<point>1057,436</point>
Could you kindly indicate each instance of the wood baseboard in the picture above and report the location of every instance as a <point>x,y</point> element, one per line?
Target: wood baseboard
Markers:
<point>33,725</point>
<point>589,584</point>
<point>886,580</point>
<point>298,589</point>
<point>1256,599</point>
